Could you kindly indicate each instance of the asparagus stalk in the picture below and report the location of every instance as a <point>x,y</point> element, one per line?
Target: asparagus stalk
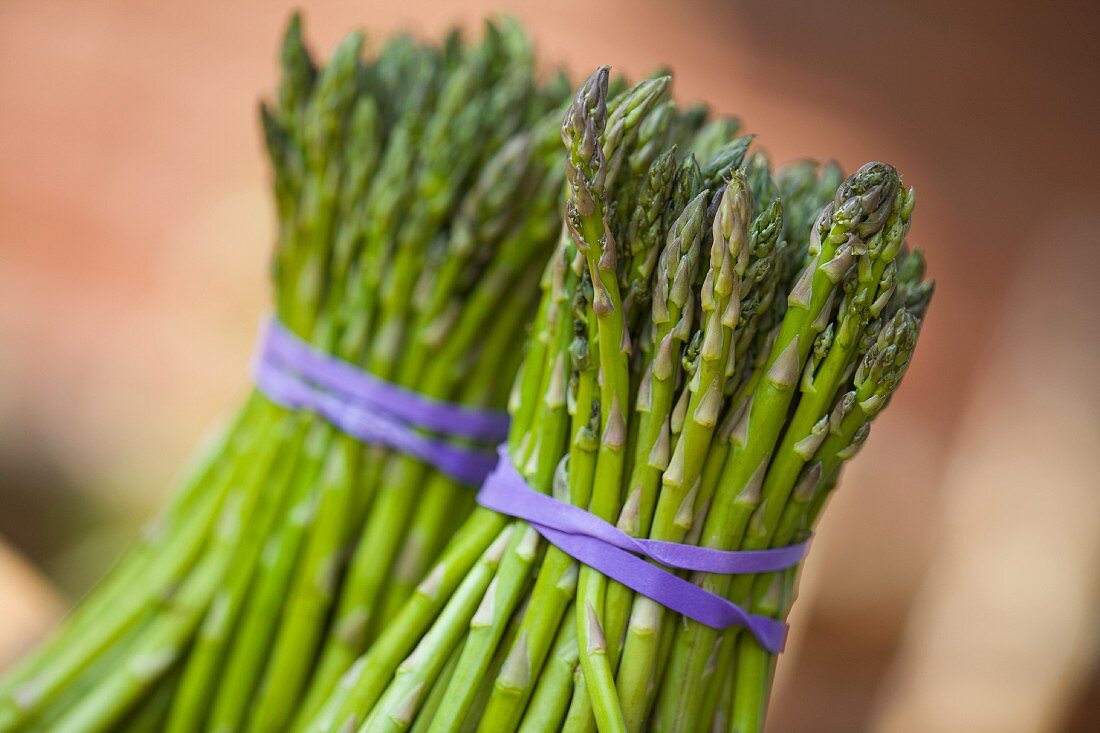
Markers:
<point>607,270</point>
<point>586,216</point>
<point>550,700</point>
<point>135,564</point>
<point>30,697</point>
<point>674,304</point>
<point>401,701</point>
<point>189,703</point>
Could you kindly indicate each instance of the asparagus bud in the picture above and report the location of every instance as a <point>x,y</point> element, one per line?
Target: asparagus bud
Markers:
<point>580,131</point>
<point>725,160</point>
<point>298,74</point>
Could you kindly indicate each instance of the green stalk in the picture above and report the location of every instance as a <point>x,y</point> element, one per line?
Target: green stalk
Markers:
<point>719,670</point>
<point>201,670</point>
<point>251,644</point>
<point>322,120</point>
<point>551,696</point>
<point>673,318</point>
<point>310,598</point>
<point>101,667</point>
<point>31,696</point>
<point>517,671</point>
<point>585,215</point>
<point>365,680</point>
<point>435,696</point>
<point>351,619</point>
<point>556,582</point>
<point>132,569</point>
<point>723,712</point>
<point>485,215</point>
<point>443,499</point>
<point>150,715</point>
<point>681,480</point>
<point>469,725</point>
<point>486,629</point>
<point>162,642</point>
<point>318,570</point>
<point>587,219</point>
<point>398,705</point>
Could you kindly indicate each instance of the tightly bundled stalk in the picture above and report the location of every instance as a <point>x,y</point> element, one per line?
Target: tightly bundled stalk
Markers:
<point>416,190</point>
<point>712,345</point>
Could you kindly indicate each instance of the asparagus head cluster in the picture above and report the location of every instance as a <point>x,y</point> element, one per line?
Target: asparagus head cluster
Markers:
<point>416,188</point>
<point>713,342</point>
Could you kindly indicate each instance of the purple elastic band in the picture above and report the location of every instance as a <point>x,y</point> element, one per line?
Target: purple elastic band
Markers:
<point>293,374</point>
<point>606,548</point>
<point>337,376</point>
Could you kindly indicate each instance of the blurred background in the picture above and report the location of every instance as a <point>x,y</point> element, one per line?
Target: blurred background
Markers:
<point>955,583</point>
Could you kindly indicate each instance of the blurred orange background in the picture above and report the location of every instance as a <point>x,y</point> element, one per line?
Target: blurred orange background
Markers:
<point>135,224</point>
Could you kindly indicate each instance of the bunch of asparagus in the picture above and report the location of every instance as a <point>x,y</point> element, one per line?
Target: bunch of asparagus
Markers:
<point>415,191</point>
<point>712,344</point>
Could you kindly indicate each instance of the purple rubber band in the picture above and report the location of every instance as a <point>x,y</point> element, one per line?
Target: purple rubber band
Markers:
<point>337,376</point>
<point>609,550</point>
<point>295,375</point>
